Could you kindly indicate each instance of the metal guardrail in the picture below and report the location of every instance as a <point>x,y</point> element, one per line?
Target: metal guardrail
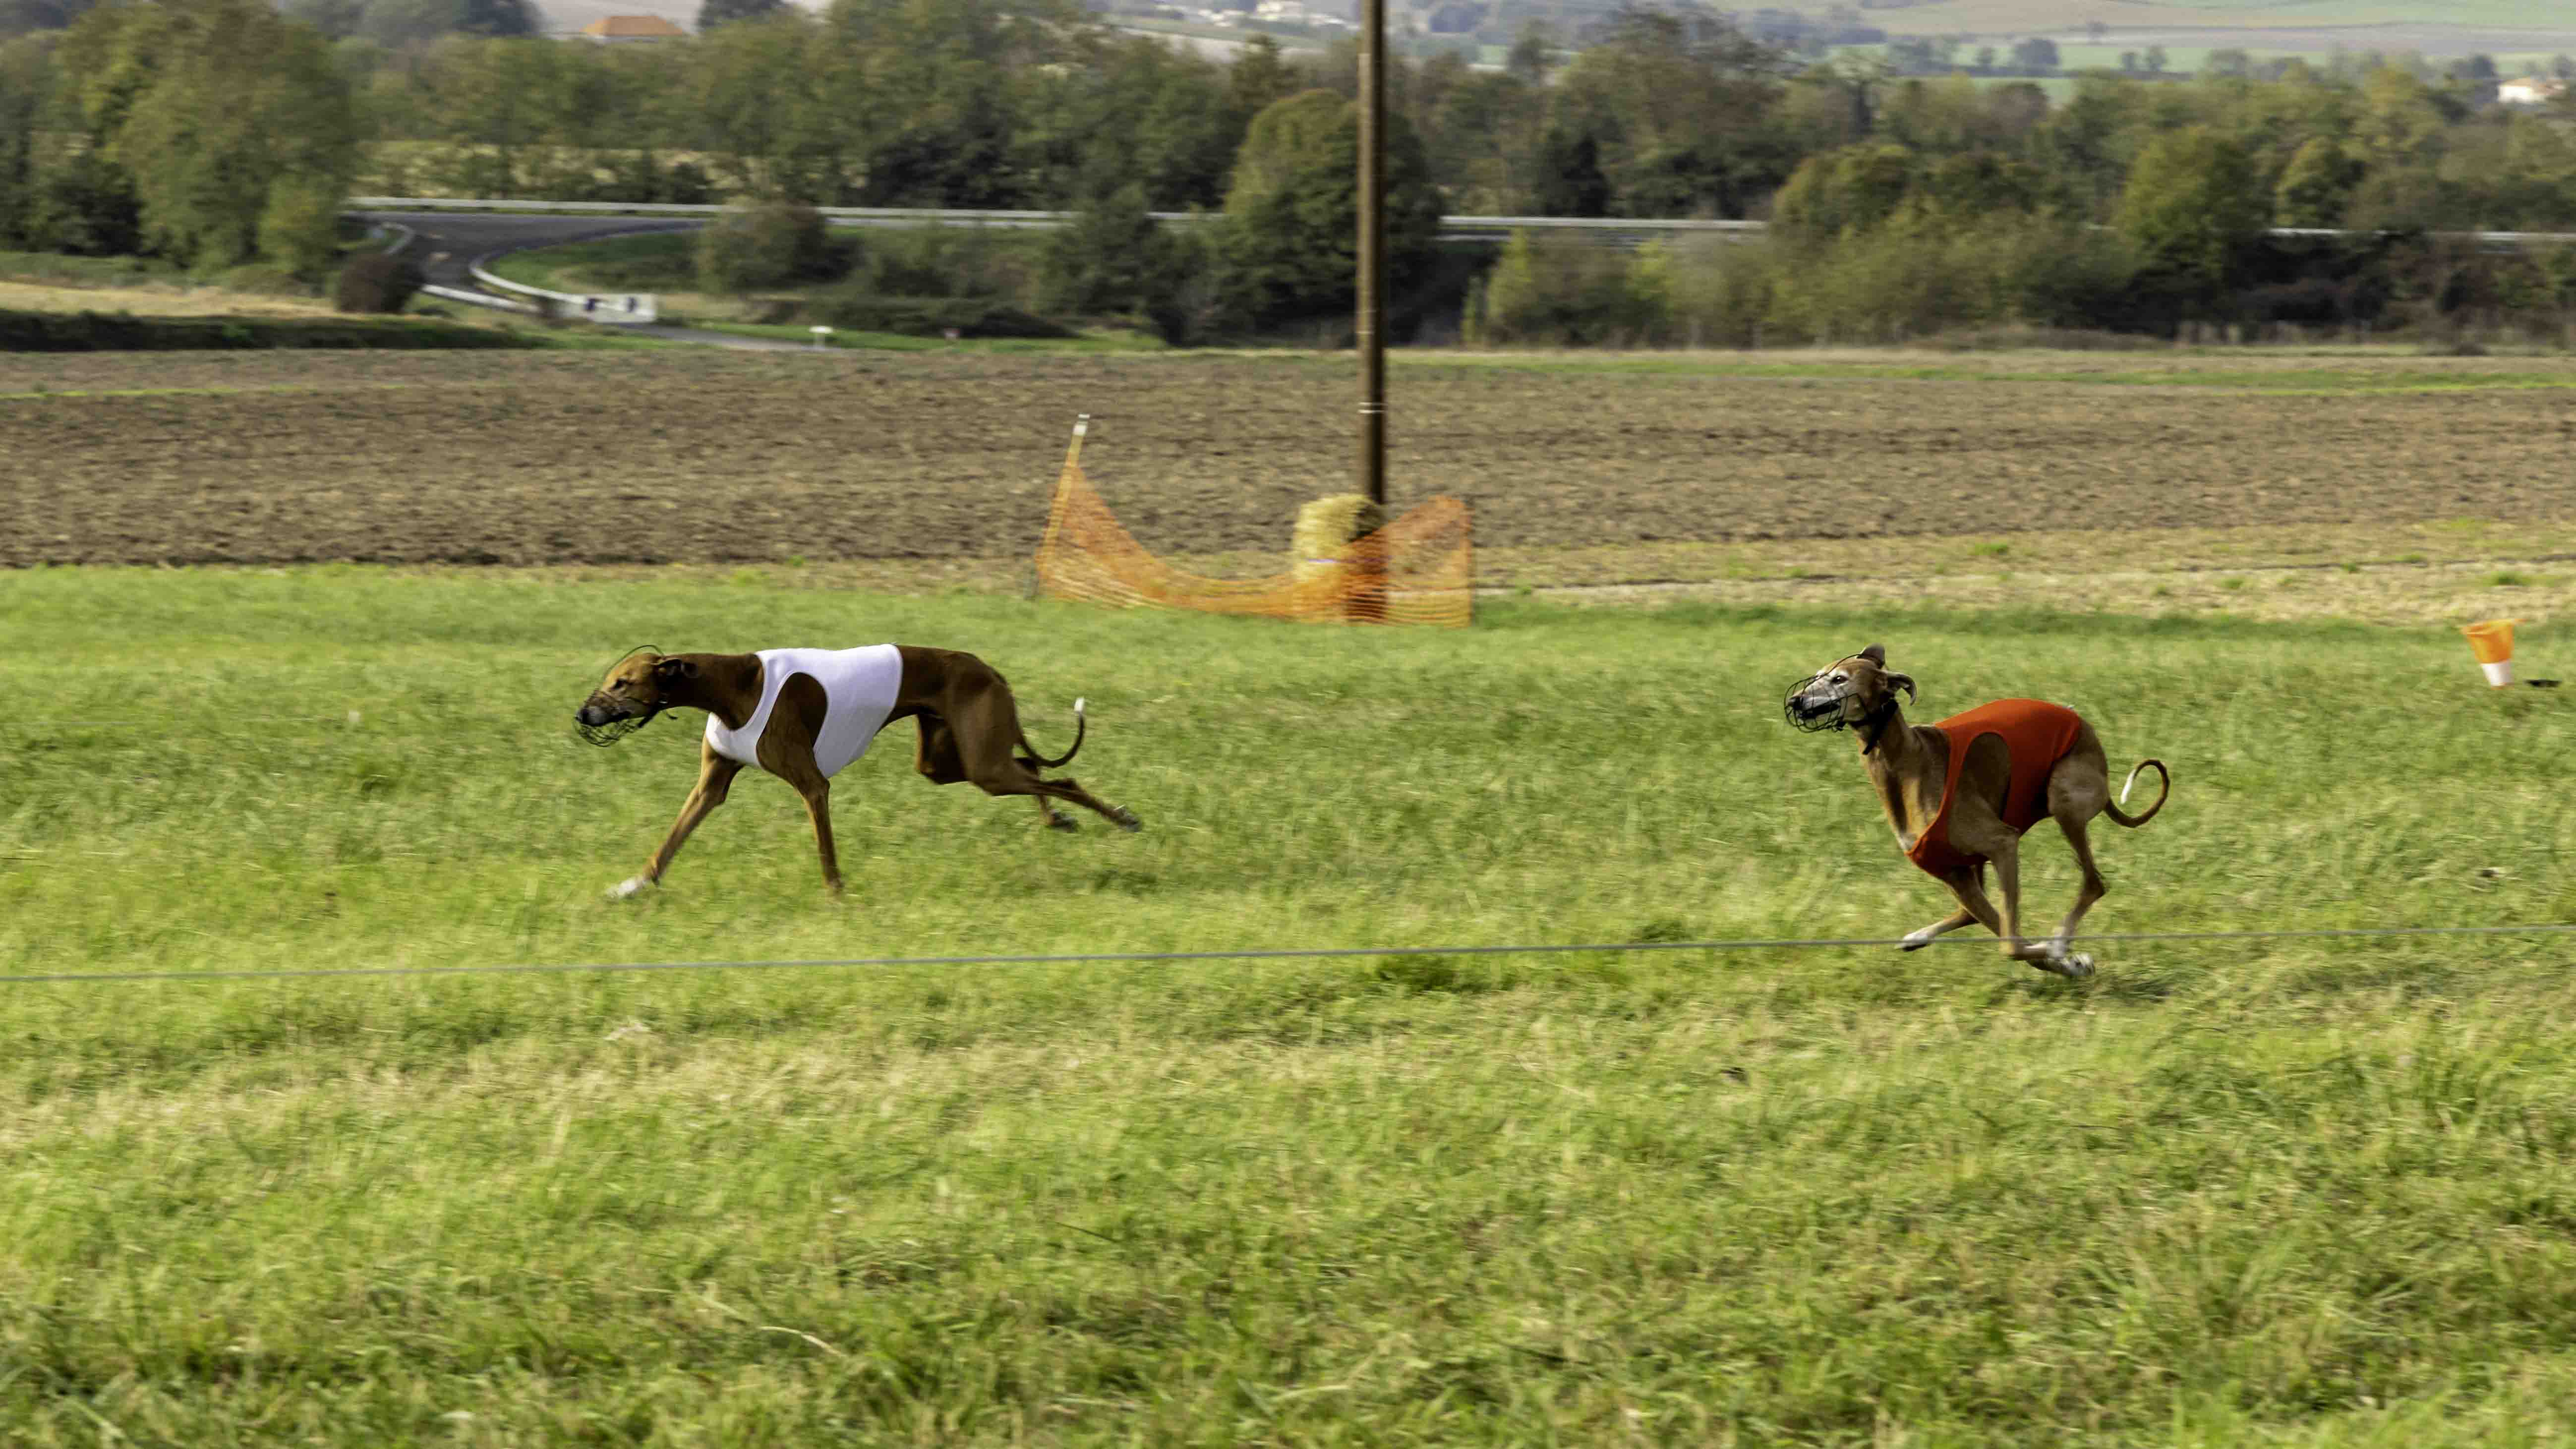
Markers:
<point>478,299</point>
<point>1452,228</point>
<point>621,309</point>
<point>1455,226</point>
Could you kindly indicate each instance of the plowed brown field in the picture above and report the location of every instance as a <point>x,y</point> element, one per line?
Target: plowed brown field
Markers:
<point>697,457</point>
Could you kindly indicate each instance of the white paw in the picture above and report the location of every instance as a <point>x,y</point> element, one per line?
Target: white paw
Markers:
<point>627,888</point>
<point>1917,940</point>
<point>2073,965</point>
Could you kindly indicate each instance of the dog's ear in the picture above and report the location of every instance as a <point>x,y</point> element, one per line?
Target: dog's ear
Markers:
<point>1902,681</point>
<point>1876,654</point>
<point>675,668</point>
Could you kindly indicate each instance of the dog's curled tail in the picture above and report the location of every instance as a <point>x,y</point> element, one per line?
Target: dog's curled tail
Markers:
<point>1081,726</point>
<point>2163,792</point>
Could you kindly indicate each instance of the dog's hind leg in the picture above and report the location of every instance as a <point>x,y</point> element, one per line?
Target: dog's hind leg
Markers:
<point>936,758</point>
<point>987,732</point>
<point>2091,890</point>
<point>939,762</point>
<point>1071,793</point>
<point>2076,794</point>
<point>715,779</point>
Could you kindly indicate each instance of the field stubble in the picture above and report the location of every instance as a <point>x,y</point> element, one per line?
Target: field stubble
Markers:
<point>2037,476</point>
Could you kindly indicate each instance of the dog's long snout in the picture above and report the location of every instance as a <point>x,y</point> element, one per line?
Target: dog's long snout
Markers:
<point>605,719</point>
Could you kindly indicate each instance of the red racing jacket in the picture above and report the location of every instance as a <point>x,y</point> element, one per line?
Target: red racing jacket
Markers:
<point>2038,735</point>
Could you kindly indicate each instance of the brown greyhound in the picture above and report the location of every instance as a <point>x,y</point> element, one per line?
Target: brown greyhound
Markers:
<point>805,714</point>
<point>1961,793</point>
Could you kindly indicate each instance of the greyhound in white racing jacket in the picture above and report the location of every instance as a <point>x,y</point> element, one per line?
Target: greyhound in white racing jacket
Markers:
<point>805,714</point>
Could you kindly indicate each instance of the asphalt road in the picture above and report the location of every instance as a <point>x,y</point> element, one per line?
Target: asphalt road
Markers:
<point>448,244</point>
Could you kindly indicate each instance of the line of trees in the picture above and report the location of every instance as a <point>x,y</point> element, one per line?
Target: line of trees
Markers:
<point>212,133</point>
<point>215,131</point>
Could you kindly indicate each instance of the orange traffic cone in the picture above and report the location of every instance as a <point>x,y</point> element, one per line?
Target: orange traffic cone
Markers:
<point>2492,643</point>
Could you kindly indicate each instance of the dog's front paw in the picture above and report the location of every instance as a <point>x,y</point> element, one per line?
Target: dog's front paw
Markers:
<point>1063,822</point>
<point>627,888</point>
<point>2073,965</point>
<point>1127,820</point>
<point>1917,940</point>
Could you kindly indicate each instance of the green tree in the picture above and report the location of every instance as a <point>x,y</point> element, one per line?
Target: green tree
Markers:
<point>2035,56</point>
<point>779,107</point>
<point>776,244</point>
<point>1259,77</point>
<point>1568,293</point>
<point>23,17</point>
<point>1843,192</point>
<point>1569,180</point>
<point>1680,105</point>
<point>1948,114</point>
<point>495,18</point>
<point>1977,184</point>
<point>299,229</point>
<point>2316,185</point>
<point>2401,120</point>
<point>1485,146</point>
<point>218,109</point>
<point>2196,210</point>
<point>712,13</point>
<point>26,85</point>
<point>1532,54</point>
<point>401,24</point>
<point>1290,243</point>
<point>336,19</point>
<point>946,89</point>
<point>1113,258</point>
<point>1135,109</point>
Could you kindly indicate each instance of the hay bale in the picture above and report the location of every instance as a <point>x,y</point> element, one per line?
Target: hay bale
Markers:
<point>1319,548</point>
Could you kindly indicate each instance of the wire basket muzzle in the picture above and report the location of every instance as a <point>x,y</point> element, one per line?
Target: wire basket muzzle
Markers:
<point>610,731</point>
<point>1813,713</point>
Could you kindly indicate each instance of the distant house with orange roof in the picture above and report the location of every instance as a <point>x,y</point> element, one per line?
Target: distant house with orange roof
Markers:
<point>627,29</point>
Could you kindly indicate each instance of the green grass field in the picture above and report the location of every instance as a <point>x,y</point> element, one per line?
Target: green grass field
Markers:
<point>2311,1192</point>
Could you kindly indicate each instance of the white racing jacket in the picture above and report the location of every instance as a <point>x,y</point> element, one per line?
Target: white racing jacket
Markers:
<point>859,687</point>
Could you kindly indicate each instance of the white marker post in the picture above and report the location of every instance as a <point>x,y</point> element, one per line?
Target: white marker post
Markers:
<point>820,333</point>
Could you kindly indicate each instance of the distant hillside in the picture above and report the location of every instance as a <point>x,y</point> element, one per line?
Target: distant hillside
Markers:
<point>2434,27</point>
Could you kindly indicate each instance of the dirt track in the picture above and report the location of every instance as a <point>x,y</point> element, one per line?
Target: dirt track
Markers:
<point>617,457</point>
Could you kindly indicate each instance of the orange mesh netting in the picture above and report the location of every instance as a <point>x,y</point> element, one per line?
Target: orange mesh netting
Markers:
<point>1418,569</point>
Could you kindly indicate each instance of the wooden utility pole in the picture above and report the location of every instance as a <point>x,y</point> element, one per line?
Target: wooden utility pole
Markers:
<point>1367,602</point>
<point>1371,329</point>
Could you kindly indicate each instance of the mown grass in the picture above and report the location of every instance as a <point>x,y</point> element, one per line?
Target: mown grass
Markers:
<point>648,261</point>
<point>2301,1191</point>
